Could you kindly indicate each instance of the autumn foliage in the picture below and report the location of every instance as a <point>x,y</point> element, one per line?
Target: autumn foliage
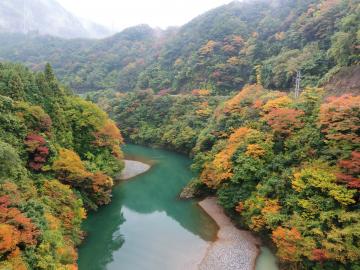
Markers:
<point>56,154</point>
<point>109,136</point>
<point>38,151</point>
<point>288,243</point>
<point>350,170</point>
<point>339,118</point>
<point>220,169</point>
<point>71,170</point>
<point>237,102</point>
<point>288,168</point>
<point>15,228</point>
<point>69,167</point>
<point>284,120</point>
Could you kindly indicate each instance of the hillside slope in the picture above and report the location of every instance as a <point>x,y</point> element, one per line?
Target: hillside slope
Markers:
<point>87,64</point>
<point>285,168</point>
<point>44,17</point>
<point>57,156</point>
<point>263,41</point>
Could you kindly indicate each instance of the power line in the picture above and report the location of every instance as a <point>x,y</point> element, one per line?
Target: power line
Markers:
<point>297,86</point>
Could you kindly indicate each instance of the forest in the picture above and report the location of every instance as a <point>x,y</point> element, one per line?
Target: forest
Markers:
<point>221,50</point>
<point>218,89</point>
<point>284,168</point>
<point>58,157</point>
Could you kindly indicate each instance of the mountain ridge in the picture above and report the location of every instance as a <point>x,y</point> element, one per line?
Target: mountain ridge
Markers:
<point>220,50</point>
<point>45,17</point>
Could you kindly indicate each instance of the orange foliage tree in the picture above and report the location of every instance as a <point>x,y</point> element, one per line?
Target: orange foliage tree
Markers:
<point>288,243</point>
<point>350,170</point>
<point>208,48</point>
<point>248,92</point>
<point>282,101</point>
<point>109,136</point>
<point>15,228</point>
<point>69,167</point>
<point>200,92</point>
<point>70,170</point>
<point>284,120</point>
<point>101,185</point>
<point>340,118</point>
<point>220,169</point>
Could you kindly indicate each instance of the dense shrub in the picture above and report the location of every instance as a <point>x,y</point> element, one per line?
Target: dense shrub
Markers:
<point>44,186</point>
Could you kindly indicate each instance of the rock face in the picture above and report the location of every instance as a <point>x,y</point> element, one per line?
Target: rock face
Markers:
<point>133,168</point>
<point>41,17</point>
<point>234,249</point>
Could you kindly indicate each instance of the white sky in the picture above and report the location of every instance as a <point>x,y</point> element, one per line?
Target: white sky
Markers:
<point>119,14</point>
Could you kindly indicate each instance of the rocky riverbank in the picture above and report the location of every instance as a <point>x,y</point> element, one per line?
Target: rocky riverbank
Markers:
<point>133,168</point>
<point>234,249</point>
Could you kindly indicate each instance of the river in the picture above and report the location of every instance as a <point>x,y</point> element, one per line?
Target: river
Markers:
<point>146,226</point>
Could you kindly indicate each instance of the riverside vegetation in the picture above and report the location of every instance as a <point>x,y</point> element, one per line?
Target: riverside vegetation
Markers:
<point>218,89</point>
<point>57,155</point>
<point>285,168</point>
<point>221,50</point>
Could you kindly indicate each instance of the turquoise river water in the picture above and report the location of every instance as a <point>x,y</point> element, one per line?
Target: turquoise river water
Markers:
<point>146,226</point>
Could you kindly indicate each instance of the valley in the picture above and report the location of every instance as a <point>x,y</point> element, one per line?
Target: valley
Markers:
<point>229,142</point>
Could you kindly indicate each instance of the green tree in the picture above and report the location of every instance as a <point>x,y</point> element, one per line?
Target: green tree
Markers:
<point>16,87</point>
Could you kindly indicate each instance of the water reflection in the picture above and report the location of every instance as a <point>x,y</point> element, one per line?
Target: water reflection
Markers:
<point>103,238</point>
<point>160,231</point>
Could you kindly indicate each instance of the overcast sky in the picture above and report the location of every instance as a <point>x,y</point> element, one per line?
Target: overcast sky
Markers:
<point>119,14</point>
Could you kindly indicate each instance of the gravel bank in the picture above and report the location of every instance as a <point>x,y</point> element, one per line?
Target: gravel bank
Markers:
<point>133,168</point>
<point>234,249</point>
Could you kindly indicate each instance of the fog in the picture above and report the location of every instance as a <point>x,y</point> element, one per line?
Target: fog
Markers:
<point>119,14</point>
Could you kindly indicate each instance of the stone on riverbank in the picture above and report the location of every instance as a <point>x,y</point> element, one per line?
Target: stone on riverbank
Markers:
<point>133,168</point>
<point>234,249</point>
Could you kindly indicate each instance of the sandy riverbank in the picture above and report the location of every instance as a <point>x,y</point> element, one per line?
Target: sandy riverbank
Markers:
<point>234,249</point>
<point>133,168</point>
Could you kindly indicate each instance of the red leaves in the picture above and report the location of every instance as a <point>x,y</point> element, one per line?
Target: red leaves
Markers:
<point>286,241</point>
<point>38,152</point>
<point>15,228</point>
<point>284,120</point>
<point>351,170</point>
<point>109,135</point>
<point>339,118</point>
<point>319,255</point>
<point>33,141</point>
<point>101,186</point>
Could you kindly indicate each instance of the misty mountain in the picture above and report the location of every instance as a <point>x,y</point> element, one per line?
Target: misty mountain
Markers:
<point>45,17</point>
<point>222,50</point>
<point>95,30</point>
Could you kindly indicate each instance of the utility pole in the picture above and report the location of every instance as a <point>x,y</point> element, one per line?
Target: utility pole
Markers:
<point>297,86</point>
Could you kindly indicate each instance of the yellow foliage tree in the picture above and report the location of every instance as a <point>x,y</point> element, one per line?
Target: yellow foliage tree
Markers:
<point>321,176</point>
<point>69,167</point>
<point>249,91</point>
<point>255,151</point>
<point>220,169</point>
<point>208,48</point>
<point>280,102</point>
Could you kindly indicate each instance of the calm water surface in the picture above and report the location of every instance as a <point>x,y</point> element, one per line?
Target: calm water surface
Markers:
<point>146,227</point>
